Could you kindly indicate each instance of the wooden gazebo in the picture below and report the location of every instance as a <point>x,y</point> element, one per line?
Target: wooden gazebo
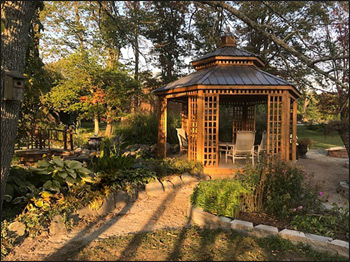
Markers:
<point>233,76</point>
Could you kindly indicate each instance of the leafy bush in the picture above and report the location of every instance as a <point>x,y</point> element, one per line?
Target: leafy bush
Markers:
<point>169,166</point>
<point>280,187</point>
<point>334,224</point>
<point>220,197</point>
<point>142,128</point>
<point>115,168</point>
<point>110,158</point>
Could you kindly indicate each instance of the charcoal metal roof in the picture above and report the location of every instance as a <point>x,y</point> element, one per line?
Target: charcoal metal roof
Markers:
<point>227,75</point>
<point>228,51</point>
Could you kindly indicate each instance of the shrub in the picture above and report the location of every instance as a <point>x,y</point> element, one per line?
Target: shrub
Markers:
<point>280,187</point>
<point>142,128</point>
<point>168,166</point>
<point>220,197</point>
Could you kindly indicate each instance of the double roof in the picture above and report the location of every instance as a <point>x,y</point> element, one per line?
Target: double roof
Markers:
<point>227,66</point>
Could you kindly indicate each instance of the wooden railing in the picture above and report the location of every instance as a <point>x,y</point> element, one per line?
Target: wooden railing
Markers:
<point>42,139</point>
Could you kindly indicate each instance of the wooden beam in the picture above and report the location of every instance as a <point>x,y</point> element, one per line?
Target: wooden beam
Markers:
<point>200,126</point>
<point>294,131</point>
<point>246,88</point>
<point>162,127</point>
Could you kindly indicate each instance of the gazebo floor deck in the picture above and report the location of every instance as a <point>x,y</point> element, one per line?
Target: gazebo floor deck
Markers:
<point>226,170</point>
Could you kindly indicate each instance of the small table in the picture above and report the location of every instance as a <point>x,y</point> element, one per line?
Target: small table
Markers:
<point>225,147</point>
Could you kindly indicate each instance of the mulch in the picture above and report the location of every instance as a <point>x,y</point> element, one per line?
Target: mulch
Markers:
<point>261,218</point>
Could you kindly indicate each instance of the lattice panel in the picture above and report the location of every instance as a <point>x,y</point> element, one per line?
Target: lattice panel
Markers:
<point>237,121</point>
<point>193,127</point>
<point>184,117</point>
<point>274,124</point>
<point>211,129</point>
<point>250,125</point>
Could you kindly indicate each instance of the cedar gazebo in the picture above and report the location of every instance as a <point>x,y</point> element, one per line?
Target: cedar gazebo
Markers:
<point>232,76</point>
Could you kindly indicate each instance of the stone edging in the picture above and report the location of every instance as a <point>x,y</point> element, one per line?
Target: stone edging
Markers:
<point>321,243</point>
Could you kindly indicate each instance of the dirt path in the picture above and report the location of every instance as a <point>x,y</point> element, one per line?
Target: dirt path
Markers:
<point>328,171</point>
<point>167,210</point>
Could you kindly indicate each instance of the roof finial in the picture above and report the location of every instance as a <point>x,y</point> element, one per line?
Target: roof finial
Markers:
<point>228,39</point>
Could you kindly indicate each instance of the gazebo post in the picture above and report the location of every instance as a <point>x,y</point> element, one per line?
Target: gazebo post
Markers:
<point>294,131</point>
<point>200,126</point>
<point>162,126</point>
<point>285,125</point>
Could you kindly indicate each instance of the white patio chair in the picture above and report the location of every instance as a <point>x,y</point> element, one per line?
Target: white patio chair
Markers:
<point>244,146</point>
<point>262,147</point>
<point>181,135</point>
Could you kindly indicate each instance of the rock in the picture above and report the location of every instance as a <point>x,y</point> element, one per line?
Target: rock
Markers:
<point>18,228</point>
<point>203,219</point>
<point>343,189</point>
<point>176,180</point>
<point>78,150</point>
<point>107,206</point>
<point>154,189</point>
<point>85,152</point>
<point>243,226</point>
<point>292,235</point>
<point>121,196</point>
<point>339,246</point>
<point>265,231</point>
<point>188,179</point>
<point>316,241</point>
<point>57,226</point>
<point>168,185</point>
<point>86,211</point>
<point>224,222</point>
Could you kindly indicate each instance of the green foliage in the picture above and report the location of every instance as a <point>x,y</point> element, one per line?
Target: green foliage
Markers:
<point>333,224</point>
<point>169,166</point>
<point>7,239</point>
<point>220,197</point>
<point>142,128</point>
<point>110,158</point>
<point>280,187</point>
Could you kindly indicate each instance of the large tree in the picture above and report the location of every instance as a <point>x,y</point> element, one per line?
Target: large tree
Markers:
<point>16,17</point>
<point>308,39</point>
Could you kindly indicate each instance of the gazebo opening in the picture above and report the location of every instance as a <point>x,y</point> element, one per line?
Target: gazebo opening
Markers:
<point>230,106</point>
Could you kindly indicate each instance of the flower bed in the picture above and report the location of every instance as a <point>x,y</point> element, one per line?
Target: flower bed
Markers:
<point>276,194</point>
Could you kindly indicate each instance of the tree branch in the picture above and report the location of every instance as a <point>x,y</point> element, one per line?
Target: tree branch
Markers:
<point>307,61</point>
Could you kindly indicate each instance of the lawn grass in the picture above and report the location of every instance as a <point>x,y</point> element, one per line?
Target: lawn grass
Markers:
<point>193,244</point>
<point>319,140</point>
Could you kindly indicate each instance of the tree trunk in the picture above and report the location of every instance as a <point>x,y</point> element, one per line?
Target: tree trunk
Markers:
<point>17,16</point>
<point>344,135</point>
<point>109,127</point>
<point>96,124</point>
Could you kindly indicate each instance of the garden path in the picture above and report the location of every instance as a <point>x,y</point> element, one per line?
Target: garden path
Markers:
<point>328,171</point>
<point>167,210</point>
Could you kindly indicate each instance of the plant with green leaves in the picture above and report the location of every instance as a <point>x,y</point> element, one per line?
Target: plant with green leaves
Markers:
<point>110,159</point>
<point>333,223</point>
<point>280,187</point>
<point>60,172</point>
<point>222,197</point>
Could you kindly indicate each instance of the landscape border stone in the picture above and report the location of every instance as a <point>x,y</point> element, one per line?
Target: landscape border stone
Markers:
<point>321,243</point>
